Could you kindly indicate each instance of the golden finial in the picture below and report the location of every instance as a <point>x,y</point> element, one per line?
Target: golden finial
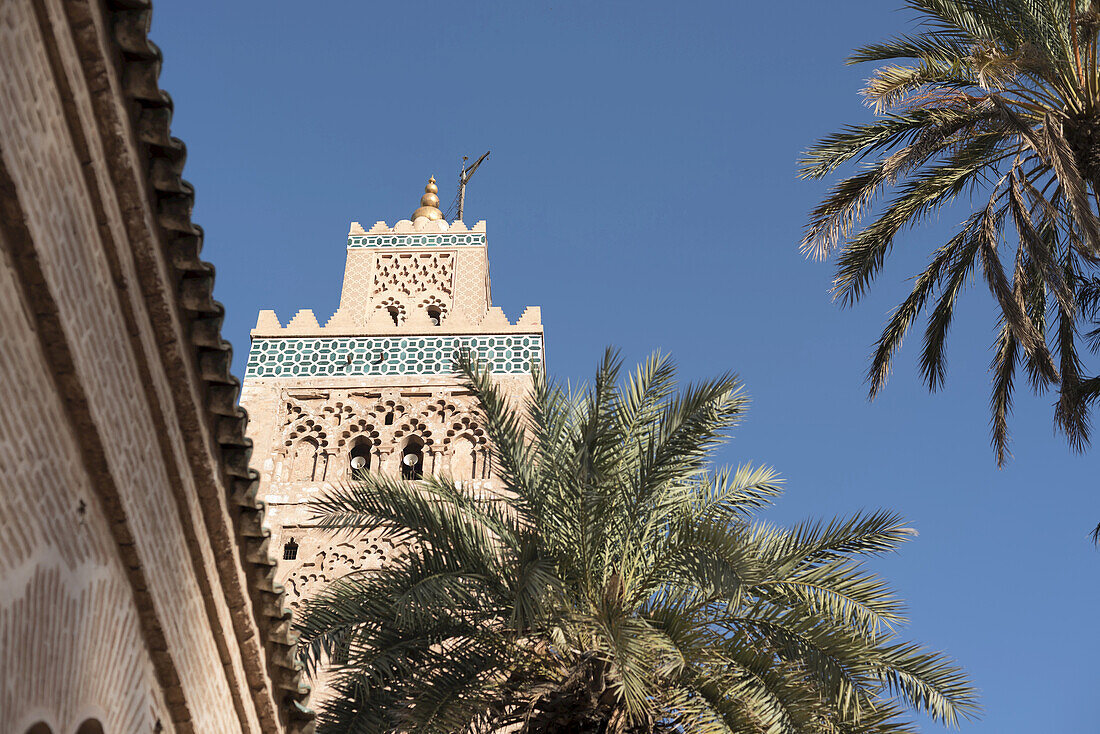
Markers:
<point>429,203</point>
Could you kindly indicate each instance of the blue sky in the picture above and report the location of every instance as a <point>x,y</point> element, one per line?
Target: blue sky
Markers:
<point>642,190</point>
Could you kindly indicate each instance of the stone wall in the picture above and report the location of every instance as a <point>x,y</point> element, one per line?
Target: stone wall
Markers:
<point>71,643</point>
<point>376,383</point>
<point>308,433</point>
<point>132,595</point>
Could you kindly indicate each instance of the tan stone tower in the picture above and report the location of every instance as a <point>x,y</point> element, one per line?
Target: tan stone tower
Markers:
<point>373,390</point>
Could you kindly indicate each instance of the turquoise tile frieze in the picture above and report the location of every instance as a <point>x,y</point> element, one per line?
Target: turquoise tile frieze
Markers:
<point>510,354</point>
<point>416,240</point>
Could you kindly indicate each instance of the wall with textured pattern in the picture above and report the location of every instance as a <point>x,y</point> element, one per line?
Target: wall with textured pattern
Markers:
<point>123,591</point>
<point>376,382</point>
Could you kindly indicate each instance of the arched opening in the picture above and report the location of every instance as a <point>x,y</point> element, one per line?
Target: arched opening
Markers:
<point>359,457</point>
<point>40,728</point>
<point>90,726</point>
<point>435,315</point>
<point>394,314</point>
<point>462,458</point>
<point>412,459</point>
<point>290,550</point>
<point>304,463</point>
<point>389,418</point>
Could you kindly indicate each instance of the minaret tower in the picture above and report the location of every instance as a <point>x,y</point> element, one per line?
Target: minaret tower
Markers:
<point>373,388</point>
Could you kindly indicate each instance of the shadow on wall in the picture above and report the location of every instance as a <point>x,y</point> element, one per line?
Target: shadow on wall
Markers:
<point>90,726</point>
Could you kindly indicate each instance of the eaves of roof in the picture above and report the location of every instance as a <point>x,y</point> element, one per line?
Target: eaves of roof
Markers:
<point>164,156</point>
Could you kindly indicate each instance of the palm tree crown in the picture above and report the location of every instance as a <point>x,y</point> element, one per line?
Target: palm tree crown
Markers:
<point>998,100</point>
<point>620,585</point>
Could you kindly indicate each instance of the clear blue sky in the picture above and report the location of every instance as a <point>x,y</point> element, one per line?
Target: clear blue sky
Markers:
<point>642,190</point>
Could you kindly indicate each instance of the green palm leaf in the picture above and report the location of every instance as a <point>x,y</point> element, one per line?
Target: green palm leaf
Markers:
<point>619,583</point>
<point>999,103</point>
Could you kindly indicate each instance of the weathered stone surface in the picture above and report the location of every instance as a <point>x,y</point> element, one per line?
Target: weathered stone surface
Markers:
<point>127,594</point>
<point>419,287</point>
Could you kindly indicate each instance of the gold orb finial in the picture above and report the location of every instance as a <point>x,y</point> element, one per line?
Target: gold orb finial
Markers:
<point>429,203</point>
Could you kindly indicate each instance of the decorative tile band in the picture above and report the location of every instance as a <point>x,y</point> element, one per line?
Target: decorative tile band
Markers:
<point>510,354</point>
<point>416,240</point>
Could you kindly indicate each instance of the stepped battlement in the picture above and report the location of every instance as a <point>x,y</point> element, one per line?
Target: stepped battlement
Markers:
<point>420,226</point>
<point>494,321</point>
<point>414,295</point>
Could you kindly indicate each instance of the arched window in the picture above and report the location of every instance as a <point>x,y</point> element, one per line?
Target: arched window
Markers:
<point>40,728</point>
<point>412,459</point>
<point>359,457</point>
<point>290,550</point>
<point>90,726</point>
<point>435,315</point>
<point>462,458</point>
<point>304,461</point>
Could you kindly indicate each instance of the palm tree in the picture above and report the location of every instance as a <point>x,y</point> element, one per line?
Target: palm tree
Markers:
<point>622,586</point>
<point>998,100</point>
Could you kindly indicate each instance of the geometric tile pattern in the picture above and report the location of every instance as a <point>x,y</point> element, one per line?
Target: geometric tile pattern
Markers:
<point>505,354</point>
<point>416,240</point>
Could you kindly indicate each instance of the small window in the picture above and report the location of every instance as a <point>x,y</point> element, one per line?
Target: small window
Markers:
<point>359,458</point>
<point>389,418</point>
<point>434,315</point>
<point>290,550</point>
<point>412,461</point>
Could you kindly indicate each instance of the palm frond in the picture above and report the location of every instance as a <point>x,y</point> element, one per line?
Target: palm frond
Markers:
<point>982,95</point>
<point>624,583</point>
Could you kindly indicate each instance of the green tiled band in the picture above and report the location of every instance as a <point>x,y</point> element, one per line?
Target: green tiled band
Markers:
<point>511,354</point>
<point>416,240</point>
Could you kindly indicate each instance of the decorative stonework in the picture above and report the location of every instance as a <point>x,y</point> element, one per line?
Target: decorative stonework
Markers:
<point>412,274</point>
<point>394,308</point>
<point>471,284</point>
<point>440,306</point>
<point>355,296</point>
<point>337,419</point>
<point>372,390</point>
<point>335,560</point>
<point>506,354</point>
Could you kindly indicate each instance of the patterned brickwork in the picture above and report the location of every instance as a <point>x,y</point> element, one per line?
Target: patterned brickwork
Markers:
<point>78,271</point>
<point>362,356</point>
<point>81,609</point>
<point>69,636</point>
<point>325,562</point>
<point>456,280</point>
<point>470,297</point>
<point>90,627</point>
<point>355,296</point>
